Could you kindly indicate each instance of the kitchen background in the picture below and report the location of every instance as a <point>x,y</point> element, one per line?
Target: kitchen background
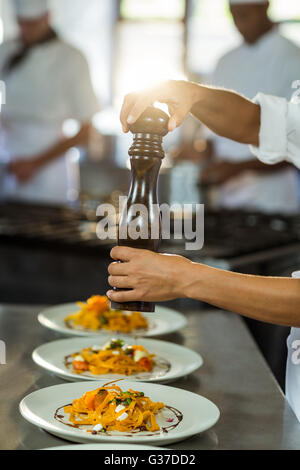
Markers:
<point>50,254</point>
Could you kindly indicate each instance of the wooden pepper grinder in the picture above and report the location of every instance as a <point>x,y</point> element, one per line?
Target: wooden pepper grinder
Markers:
<point>142,228</point>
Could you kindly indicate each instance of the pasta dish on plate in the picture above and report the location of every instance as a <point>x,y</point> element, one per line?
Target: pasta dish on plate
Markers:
<point>115,356</point>
<point>96,314</point>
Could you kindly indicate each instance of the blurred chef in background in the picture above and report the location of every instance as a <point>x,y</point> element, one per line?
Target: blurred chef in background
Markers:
<point>269,63</point>
<point>47,82</point>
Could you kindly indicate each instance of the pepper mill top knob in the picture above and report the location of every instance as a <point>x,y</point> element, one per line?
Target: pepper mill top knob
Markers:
<point>151,121</point>
<point>148,130</point>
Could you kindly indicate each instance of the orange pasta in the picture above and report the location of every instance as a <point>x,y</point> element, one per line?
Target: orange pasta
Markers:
<point>96,314</point>
<point>114,357</point>
<point>110,409</point>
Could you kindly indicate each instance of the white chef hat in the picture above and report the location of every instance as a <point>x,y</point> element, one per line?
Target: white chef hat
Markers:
<point>28,9</point>
<point>245,2</point>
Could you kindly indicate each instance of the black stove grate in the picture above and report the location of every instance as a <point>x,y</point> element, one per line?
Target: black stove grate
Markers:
<point>227,233</point>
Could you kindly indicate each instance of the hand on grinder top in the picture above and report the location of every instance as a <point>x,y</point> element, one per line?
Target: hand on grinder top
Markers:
<point>180,96</point>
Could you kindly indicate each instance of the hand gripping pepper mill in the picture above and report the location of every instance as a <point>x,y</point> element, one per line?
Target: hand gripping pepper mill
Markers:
<point>140,221</point>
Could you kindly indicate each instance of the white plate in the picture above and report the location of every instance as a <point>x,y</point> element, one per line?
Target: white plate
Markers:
<point>173,361</point>
<point>112,447</point>
<point>164,320</point>
<point>198,413</point>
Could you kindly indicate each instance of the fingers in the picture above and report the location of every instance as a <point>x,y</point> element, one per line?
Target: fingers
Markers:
<point>169,92</point>
<point>177,118</point>
<point>172,124</point>
<point>124,253</point>
<point>118,269</point>
<point>122,282</point>
<point>139,107</point>
<point>125,111</point>
<point>135,104</point>
<point>123,296</point>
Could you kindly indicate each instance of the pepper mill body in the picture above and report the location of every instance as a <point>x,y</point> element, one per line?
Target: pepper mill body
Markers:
<point>140,222</point>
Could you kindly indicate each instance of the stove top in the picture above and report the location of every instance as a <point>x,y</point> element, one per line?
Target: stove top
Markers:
<point>49,224</point>
<point>227,233</point>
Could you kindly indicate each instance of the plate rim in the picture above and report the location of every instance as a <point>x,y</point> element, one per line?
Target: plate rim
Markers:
<point>199,361</point>
<point>69,435</point>
<point>100,445</point>
<point>47,323</point>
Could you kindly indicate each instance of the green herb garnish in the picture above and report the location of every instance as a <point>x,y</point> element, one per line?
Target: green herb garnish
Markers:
<point>103,320</point>
<point>116,343</point>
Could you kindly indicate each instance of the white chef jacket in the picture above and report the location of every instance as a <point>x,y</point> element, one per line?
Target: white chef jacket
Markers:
<point>51,85</point>
<point>280,140</point>
<point>268,66</point>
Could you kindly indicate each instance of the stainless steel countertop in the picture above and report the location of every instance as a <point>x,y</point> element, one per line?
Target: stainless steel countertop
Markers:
<point>254,413</point>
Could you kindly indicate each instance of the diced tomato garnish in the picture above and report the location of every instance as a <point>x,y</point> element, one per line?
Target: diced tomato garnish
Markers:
<point>99,303</point>
<point>100,398</point>
<point>138,347</point>
<point>146,363</point>
<point>80,365</point>
<point>89,399</point>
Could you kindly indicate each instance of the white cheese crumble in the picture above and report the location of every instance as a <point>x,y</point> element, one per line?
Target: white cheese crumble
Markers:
<point>116,353</point>
<point>79,359</point>
<point>98,427</point>
<point>119,408</point>
<point>139,355</point>
<point>123,416</point>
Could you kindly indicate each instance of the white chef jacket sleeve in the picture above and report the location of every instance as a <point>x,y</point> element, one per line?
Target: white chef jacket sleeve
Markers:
<point>84,103</point>
<point>279,137</point>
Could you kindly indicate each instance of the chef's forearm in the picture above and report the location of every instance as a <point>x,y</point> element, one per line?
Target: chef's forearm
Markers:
<point>81,138</point>
<point>228,114</point>
<point>258,166</point>
<point>268,299</point>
